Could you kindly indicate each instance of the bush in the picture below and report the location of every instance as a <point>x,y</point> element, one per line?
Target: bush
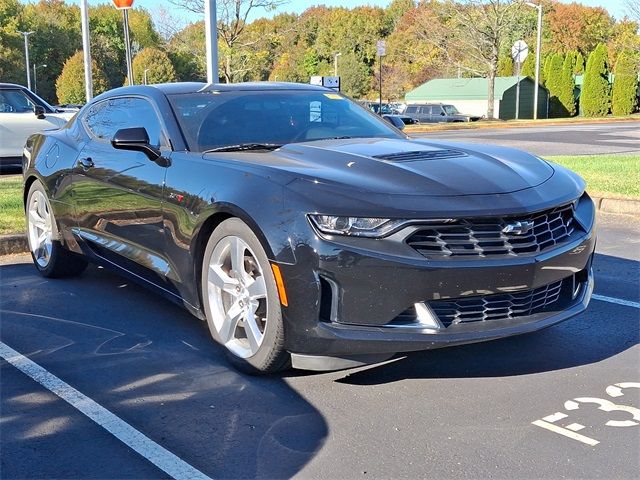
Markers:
<point>566,86</point>
<point>553,72</point>
<point>70,83</point>
<point>578,66</point>
<point>596,91</point>
<point>158,65</point>
<point>624,97</point>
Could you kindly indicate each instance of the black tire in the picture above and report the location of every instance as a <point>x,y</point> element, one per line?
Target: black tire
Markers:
<point>60,262</point>
<point>271,355</point>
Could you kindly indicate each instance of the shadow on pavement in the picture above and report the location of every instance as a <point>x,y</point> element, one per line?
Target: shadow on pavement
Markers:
<point>603,331</point>
<point>153,365</point>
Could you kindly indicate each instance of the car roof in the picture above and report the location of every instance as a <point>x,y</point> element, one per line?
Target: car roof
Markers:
<point>11,85</point>
<point>193,87</point>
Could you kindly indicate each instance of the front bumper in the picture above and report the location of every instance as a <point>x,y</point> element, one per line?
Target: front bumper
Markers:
<point>346,292</point>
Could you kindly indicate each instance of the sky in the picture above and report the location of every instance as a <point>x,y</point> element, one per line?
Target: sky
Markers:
<point>615,7</point>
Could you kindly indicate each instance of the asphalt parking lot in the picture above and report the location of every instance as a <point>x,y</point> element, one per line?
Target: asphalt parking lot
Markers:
<point>569,139</point>
<point>147,372</point>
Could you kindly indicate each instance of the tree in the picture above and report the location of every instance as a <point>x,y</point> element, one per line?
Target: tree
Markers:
<point>186,49</point>
<point>553,72</point>
<point>624,97</point>
<point>481,27</point>
<point>506,66</point>
<point>158,65</point>
<point>232,18</point>
<point>528,68</point>
<point>578,67</point>
<point>12,67</point>
<point>574,26</point>
<point>566,86</point>
<point>633,8</point>
<point>70,84</point>
<point>595,96</point>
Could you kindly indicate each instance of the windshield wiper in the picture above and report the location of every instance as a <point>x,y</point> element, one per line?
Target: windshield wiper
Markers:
<point>244,147</point>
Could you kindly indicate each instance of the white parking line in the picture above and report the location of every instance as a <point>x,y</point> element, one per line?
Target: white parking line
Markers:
<point>619,301</point>
<point>143,445</point>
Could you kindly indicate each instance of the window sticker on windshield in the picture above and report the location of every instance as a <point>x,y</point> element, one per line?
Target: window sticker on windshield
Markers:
<point>333,96</point>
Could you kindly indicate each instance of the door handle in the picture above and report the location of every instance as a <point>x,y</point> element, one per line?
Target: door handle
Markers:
<point>85,163</point>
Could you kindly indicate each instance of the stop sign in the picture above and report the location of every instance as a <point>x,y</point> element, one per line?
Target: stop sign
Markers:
<point>123,4</point>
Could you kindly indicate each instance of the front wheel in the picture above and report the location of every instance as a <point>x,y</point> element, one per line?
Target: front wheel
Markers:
<point>241,301</point>
<point>49,256</point>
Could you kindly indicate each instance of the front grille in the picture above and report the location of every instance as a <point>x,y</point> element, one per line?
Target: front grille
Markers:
<point>421,155</point>
<point>502,306</point>
<point>483,237</point>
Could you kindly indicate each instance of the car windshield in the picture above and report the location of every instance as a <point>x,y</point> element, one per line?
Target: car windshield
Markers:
<point>450,110</point>
<point>213,120</point>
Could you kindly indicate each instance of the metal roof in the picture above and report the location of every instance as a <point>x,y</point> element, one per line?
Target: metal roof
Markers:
<point>461,89</point>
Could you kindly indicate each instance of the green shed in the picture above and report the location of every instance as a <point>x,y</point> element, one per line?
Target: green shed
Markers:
<point>470,96</point>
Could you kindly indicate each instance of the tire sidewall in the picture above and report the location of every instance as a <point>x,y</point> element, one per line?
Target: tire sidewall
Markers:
<point>272,343</point>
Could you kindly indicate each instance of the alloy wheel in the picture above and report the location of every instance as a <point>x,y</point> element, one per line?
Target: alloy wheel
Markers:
<point>237,296</point>
<point>40,228</point>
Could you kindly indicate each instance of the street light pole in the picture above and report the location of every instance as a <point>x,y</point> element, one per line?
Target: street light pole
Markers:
<point>538,48</point>
<point>211,34</point>
<point>145,75</point>
<point>26,57</point>
<point>335,63</point>
<point>127,42</point>
<point>35,81</point>
<point>86,50</point>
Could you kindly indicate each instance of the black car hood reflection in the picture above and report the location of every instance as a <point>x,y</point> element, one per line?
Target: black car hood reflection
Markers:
<point>357,163</point>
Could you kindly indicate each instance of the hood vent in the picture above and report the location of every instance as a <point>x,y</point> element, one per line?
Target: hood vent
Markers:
<point>421,155</point>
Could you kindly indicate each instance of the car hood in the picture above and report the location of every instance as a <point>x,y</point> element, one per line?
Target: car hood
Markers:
<point>408,167</point>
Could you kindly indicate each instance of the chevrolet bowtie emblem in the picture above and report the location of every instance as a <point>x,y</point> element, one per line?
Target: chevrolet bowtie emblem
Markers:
<point>518,228</point>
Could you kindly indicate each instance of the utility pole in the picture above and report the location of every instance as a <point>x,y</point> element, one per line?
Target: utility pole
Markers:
<point>86,51</point>
<point>211,34</point>
<point>381,47</point>
<point>26,56</point>
<point>538,48</point>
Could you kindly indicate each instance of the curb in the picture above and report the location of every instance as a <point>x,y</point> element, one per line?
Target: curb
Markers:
<point>17,242</point>
<point>13,243</point>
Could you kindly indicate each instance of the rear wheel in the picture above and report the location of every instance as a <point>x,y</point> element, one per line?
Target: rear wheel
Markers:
<point>241,299</point>
<point>49,256</point>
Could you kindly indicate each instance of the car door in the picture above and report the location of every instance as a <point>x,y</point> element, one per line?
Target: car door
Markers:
<point>118,193</point>
<point>18,121</point>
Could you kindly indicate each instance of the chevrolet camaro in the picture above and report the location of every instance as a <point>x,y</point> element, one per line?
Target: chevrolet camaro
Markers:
<point>304,229</point>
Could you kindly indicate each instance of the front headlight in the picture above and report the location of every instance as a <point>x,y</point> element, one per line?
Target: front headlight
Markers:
<point>356,226</point>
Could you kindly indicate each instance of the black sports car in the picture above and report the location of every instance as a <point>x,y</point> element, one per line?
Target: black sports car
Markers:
<point>306,230</point>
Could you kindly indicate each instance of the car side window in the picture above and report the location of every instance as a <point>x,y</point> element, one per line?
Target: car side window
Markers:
<point>411,109</point>
<point>105,118</point>
<point>14,101</point>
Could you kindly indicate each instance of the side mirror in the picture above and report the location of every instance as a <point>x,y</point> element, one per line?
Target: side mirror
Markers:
<point>39,111</point>
<point>137,139</point>
<point>442,113</point>
<point>395,121</point>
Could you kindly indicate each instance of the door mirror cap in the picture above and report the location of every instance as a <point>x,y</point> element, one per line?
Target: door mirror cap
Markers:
<point>137,139</point>
<point>39,111</point>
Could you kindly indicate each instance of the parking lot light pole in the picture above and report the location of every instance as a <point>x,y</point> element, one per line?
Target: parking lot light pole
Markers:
<point>211,34</point>
<point>86,50</point>
<point>26,56</point>
<point>35,79</point>
<point>145,75</point>
<point>335,63</point>
<point>125,5</point>
<point>538,48</point>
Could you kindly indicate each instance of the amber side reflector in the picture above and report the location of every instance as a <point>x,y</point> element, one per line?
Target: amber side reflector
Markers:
<point>281,291</point>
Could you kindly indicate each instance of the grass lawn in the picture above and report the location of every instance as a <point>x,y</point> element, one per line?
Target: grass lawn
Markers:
<point>11,211</point>
<point>614,176</point>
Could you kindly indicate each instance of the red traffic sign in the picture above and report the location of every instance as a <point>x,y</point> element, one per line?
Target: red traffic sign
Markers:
<point>123,4</point>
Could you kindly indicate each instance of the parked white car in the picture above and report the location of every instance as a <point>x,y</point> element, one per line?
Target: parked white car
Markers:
<point>23,113</point>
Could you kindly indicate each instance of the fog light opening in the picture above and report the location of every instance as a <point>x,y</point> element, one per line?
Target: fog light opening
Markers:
<point>426,317</point>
